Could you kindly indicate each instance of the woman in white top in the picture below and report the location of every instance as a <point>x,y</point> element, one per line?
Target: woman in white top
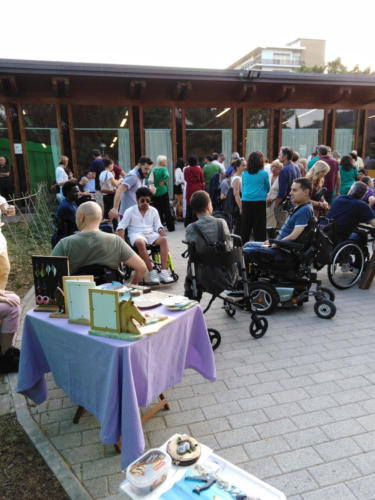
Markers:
<point>107,186</point>
<point>61,176</point>
<point>276,166</point>
<point>236,185</point>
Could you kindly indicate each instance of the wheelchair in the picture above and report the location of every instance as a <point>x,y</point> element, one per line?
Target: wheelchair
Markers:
<point>103,274</point>
<point>350,257</point>
<point>284,276</point>
<point>258,325</point>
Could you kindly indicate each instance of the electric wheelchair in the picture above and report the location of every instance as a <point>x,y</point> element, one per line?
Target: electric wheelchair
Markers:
<point>284,275</point>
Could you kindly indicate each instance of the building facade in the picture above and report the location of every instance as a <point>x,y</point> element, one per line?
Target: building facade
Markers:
<point>291,57</point>
<point>49,108</point>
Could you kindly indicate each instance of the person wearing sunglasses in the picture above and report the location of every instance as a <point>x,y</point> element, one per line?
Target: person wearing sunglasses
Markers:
<point>145,228</point>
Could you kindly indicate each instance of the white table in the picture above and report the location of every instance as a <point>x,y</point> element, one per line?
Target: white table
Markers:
<point>250,484</point>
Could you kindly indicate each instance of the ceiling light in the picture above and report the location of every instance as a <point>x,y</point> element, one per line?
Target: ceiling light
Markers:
<point>112,145</point>
<point>127,112</point>
<point>123,123</point>
<point>114,139</point>
<point>307,113</point>
<point>43,145</point>
<point>24,112</point>
<point>223,112</point>
<point>372,116</point>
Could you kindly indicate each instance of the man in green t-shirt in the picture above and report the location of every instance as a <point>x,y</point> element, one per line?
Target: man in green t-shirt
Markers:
<point>91,246</point>
<point>209,170</point>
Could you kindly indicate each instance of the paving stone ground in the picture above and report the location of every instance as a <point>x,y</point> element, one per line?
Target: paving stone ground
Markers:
<point>295,408</point>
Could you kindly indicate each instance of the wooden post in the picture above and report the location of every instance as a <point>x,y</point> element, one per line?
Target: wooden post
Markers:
<point>24,148</point>
<point>271,132</point>
<point>72,141</point>
<point>131,136</point>
<point>183,131</point>
<point>325,126</point>
<point>234,138</point>
<point>357,127</point>
<point>141,130</point>
<point>58,119</point>
<point>244,135</point>
<point>333,130</point>
<point>174,136</point>
<point>12,153</point>
<point>364,134</point>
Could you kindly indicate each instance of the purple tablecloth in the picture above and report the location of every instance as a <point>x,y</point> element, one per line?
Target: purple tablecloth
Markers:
<point>112,378</point>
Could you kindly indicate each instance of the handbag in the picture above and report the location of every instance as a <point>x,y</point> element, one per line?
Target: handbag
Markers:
<point>105,183</point>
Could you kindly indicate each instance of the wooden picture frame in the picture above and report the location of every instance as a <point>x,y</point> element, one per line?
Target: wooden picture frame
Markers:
<point>48,273</point>
<point>76,296</point>
<point>104,310</point>
<point>75,278</point>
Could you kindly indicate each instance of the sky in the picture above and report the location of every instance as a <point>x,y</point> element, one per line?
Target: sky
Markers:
<point>193,33</point>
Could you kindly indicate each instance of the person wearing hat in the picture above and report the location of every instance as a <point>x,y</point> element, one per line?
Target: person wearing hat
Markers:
<point>230,169</point>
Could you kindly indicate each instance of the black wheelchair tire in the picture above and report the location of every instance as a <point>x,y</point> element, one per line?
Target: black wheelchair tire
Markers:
<point>326,293</point>
<point>215,338</point>
<point>269,292</point>
<point>258,327</point>
<point>229,309</point>
<point>331,266</point>
<point>174,276</point>
<point>324,309</point>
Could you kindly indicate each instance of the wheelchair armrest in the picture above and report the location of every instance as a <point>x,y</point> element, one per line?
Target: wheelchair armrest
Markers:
<point>287,245</point>
<point>237,240</point>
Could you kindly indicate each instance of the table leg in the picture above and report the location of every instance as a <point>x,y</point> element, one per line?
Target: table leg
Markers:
<point>80,411</point>
<point>163,403</point>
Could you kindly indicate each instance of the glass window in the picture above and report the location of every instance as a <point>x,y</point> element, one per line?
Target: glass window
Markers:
<point>370,138</point>
<point>6,182</point>
<point>345,130</point>
<point>101,127</point>
<point>42,142</point>
<point>157,122</point>
<point>302,129</point>
<point>257,125</point>
<point>208,130</point>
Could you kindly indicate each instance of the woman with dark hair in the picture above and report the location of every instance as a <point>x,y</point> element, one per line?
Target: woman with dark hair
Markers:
<point>255,186</point>
<point>348,173</point>
<point>178,186</point>
<point>193,176</point>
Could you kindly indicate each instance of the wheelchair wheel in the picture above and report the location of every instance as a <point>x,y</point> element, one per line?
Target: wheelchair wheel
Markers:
<point>258,327</point>
<point>174,276</point>
<point>215,338</point>
<point>324,309</point>
<point>263,297</point>
<point>325,293</point>
<point>347,265</point>
<point>229,309</point>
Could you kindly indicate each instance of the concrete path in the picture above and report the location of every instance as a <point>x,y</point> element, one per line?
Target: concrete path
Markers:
<point>295,408</point>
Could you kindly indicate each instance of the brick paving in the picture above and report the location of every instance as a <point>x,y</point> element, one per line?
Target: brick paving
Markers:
<point>295,408</point>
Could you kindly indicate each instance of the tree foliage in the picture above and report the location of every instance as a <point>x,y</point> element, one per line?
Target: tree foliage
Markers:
<point>336,66</point>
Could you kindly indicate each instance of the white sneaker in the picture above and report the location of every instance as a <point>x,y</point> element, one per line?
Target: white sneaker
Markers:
<point>154,277</point>
<point>165,277</point>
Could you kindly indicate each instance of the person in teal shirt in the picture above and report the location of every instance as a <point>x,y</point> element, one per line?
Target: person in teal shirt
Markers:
<point>159,178</point>
<point>255,186</point>
<point>348,174</point>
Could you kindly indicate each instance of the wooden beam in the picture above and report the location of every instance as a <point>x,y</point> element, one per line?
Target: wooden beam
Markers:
<point>280,132</point>
<point>58,118</point>
<point>182,90</point>
<point>60,86</point>
<point>357,127</point>
<point>286,92</point>
<point>247,90</point>
<point>72,141</point>
<point>344,92</point>
<point>8,85</point>
<point>131,137</point>
<point>137,88</point>
<point>325,126</point>
<point>370,100</point>
<point>12,153</point>
<point>24,148</point>
<point>364,134</point>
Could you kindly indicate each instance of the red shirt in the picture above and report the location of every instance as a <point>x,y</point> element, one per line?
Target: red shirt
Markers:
<point>194,180</point>
<point>331,178</point>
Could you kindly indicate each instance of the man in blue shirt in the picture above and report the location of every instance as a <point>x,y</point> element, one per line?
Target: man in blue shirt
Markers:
<point>303,213</point>
<point>287,174</point>
<point>349,210</point>
<point>65,218</point>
